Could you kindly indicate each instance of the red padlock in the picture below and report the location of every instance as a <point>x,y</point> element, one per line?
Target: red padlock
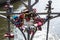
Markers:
<point>39,23</point>
<point>21,16</point>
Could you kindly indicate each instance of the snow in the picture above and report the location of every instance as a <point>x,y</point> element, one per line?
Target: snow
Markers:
<point>17,34</point>
<point>40,35</point>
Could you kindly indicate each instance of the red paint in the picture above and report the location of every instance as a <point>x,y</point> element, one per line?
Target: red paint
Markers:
<point>27,19</point>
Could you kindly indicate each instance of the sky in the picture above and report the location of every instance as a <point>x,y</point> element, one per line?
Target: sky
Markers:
<point>41,5</point>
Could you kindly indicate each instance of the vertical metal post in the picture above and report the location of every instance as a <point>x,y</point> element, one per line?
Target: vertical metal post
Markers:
<point>8,18</point>
<point>29,8</point>
<point>29,5</point>
<point>28,34</point>
<point>49,11</point>
<point>10,10</point>
<point>28,30</point>
<point>47,28</point>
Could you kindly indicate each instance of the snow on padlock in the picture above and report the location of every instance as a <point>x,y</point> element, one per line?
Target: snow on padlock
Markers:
<point>11,35</point>
<point>36,24</point>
